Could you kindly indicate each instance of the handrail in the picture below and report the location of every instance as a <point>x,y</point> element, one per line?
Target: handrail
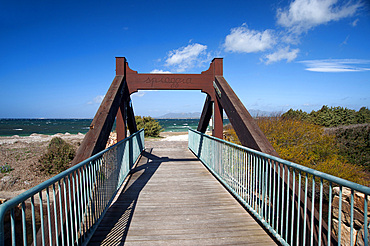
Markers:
<point>75,198</point>
<point>257,181</point>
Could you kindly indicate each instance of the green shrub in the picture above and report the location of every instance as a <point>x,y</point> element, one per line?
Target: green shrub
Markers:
<point>6,168</point>
<point>152,128</point>
<point>58,157</point>
<point>331,117</point>
<point>353,143</point>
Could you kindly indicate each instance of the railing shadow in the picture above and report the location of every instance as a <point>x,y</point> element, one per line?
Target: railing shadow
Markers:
<point>114,227</point>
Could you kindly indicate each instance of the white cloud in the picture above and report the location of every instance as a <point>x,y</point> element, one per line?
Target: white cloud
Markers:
<point>159,71</point>
<point>302,15</point>
<point>241,39</point>
<point>97,100</point>
<point>354,23</point>
<point>337,65</point>
<point>138,94</point>
<point>187,57</point>
<point>282,54</point>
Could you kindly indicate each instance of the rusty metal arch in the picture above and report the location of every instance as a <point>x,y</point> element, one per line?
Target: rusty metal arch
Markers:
<point>117,106</point>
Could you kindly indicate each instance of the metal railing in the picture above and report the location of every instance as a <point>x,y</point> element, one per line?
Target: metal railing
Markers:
<point>66,209</point>
<point>296,204</point>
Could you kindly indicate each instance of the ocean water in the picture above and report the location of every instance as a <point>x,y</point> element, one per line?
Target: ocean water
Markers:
<point>26,127</point>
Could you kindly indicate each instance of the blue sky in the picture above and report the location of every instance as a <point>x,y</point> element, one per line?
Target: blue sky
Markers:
<point>57,58</point>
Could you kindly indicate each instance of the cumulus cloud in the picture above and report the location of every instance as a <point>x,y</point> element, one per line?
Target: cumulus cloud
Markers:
<point>302,15</point>
<point>243,40</point>
<point>282,54</point>
<point>337,65</point>
<point>97,100</point>
<point>159,71</point>
<point>187,57</point>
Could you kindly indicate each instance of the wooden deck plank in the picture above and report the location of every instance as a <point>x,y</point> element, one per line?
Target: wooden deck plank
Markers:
<point>172,199</point>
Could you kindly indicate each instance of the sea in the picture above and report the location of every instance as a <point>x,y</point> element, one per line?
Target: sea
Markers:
<point>26,127</point>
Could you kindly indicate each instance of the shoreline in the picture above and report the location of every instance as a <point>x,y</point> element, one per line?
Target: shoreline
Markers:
<point>22,153</point>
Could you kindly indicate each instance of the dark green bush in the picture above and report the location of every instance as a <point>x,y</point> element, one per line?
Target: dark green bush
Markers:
<point>353,143</point>
<point>58,157</point>
<point>152,128</point>
<point>331,117</point>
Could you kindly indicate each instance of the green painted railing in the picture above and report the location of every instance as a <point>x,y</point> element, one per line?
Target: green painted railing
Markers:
<point>287,198</point>
<point>66,209</point>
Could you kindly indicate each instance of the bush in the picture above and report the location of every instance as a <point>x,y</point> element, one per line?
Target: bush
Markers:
<point>306,144</point>
<point>152,128</point>
<point>353,143</point>
<point>58,157</point>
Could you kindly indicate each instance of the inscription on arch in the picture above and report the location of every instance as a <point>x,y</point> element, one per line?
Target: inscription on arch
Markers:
<point>172,82</point>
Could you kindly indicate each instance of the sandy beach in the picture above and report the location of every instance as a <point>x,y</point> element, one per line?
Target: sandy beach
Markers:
<point>22,155</point>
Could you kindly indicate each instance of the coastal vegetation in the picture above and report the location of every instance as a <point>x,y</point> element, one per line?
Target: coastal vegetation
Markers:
<point>58,157</point>
<point>152,128</point>
<point>342,151</point>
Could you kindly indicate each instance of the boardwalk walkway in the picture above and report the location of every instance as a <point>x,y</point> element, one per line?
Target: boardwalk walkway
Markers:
<point>172,199</point>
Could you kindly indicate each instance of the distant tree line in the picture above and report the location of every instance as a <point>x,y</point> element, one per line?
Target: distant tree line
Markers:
<point>330,117</point>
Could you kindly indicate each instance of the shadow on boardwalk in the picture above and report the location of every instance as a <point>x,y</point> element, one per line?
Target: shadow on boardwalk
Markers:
<point>115,225</point>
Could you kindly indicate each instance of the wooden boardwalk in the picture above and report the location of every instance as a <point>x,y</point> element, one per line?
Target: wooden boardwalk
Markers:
<point>172,199</point>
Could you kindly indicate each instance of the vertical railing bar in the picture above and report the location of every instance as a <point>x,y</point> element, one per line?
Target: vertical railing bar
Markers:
<point>34,232</point>
<point>299,204</point>
<point>249,179</point>
<point>351,223</point>
<point>293,208</point>
<point>258,180</point>
<point>70,208</point>
<point>305,210</point>
<point>320,210</point>
<point>12,224</point>
<point>24,223</point>
<point>287,205</point>
<point>85,201</point>
<point>245,176</point>
<point>366,235</point>
<point>89,212</point>
<point>340,215</point>
<point>260,188</point>
<point>254,182</point>
<point>278,198</point>
<point>101,183</point>
<point>42,219</point>
<point>81,205</point>
<point>263,188</point>
<point>55,215</point>
<point>79,210</point>
<point>49,215</point>
<point>66,209</point>
<point>74,184</point>
<point>61,212</point>
<point>97,189</point>
<point>274,195</point>
<point>312,209</point>
<point>329,212</point>
<point>270,199</point>
<point>282,200</point>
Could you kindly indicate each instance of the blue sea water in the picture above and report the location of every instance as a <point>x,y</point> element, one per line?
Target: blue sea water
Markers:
<point>26,127</point>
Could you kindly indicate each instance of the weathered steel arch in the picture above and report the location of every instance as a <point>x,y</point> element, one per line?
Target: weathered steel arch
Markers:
<point>117,105</point>
<point>150,81</point>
